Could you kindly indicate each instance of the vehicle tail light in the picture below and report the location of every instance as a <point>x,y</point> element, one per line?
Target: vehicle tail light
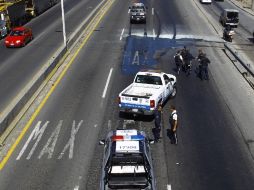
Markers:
<point>152,103</point>
<point>117,138</point>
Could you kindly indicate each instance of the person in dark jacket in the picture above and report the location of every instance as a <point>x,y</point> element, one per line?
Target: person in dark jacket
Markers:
<point>157,122</point>
<point>204,62</point>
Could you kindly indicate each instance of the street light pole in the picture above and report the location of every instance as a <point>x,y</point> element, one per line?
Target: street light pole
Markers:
<point>63,21</point>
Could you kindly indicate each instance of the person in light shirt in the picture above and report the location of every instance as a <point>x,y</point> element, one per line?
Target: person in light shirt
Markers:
<point>173,125</point>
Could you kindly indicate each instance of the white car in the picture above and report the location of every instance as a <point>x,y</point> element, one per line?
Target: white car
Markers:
<point>206,1</point>
<point>148,89</point>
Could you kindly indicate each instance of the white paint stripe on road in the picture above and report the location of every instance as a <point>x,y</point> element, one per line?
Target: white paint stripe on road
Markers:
<point>50,146</point>
<point>71,141</point>
<point>153,34</point>
<point>152,11</point>
<point>76,187</point>
<point>121,37</point>
<point>168,187</point>
<point>36,134</point>
<point>107,83</point>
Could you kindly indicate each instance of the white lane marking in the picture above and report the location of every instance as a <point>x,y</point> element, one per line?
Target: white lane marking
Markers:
<point>95,125</point>
<point>107,83</point>
<point>152,11</point>
<point>70,143</point>
<point>129,11</point>
<point>37,132</point>
<point>121,37</point>
<point>76,187</point>
<point>154,34</point>
<point>168,187</point>
<point>49,147</point>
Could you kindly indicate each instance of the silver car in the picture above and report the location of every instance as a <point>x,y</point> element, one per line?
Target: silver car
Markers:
<point>3,29</point>
<point>127,162</point>
<point>138,13</point>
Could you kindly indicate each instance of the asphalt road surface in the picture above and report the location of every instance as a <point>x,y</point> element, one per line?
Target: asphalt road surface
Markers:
<point>19,65</point>
<point>60,150</point>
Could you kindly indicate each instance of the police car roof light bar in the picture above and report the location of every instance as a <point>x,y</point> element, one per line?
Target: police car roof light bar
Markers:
<point>127,138</point>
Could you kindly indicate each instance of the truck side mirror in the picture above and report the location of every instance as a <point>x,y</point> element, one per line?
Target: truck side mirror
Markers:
<point>102,142</point>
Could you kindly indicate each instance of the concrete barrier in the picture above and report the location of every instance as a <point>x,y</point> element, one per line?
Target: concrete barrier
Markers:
<point>244,62</point>
<point>14,108</point>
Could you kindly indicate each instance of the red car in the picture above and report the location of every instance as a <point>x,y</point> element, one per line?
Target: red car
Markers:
<point>19,37</point>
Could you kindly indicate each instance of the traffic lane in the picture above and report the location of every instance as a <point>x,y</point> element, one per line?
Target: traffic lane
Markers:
<point>211,153</point>
<point>77,98</point>
<point>245,20</point>
<point>182,19</point>
<point>20,65</point>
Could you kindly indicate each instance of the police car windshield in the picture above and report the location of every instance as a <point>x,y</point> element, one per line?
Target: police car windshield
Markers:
<point>138,7</point>
<point>146,79</point>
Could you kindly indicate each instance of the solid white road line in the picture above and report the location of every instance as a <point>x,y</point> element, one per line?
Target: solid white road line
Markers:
<point>121,37</point>
<point>107,83</point>
<point>168,187</point>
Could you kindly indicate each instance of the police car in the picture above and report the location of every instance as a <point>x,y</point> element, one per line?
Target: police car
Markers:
<point>138,13</point>
<point>127,162</point>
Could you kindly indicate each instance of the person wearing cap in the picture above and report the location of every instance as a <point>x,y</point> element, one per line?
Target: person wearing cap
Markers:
<point>173,125</point>
<point>157,122</point>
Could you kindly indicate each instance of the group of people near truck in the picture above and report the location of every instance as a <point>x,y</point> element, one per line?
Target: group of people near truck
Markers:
<point>183,60</point>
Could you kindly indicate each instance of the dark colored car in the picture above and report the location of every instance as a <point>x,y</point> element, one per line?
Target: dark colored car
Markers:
<point>19,37</point>
<point>229,17</point>
<point>138,13</point>
<point>127,162</point>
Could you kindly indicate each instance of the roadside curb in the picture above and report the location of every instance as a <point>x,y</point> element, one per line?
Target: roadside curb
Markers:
<point>247,10</point>
<point>12,111</point>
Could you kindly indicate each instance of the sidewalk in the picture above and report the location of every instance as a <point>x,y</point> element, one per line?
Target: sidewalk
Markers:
<point>242,6</point>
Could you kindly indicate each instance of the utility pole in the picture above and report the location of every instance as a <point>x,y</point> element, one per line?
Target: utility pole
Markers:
<point>63,21</point>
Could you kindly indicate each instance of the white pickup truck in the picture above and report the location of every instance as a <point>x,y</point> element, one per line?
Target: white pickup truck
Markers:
<point>148,90</point>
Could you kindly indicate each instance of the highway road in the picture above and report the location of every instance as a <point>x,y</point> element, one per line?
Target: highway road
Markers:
<point>18,66</point>
<point>60,149</point>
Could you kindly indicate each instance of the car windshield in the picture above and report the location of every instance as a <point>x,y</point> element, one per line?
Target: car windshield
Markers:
<point>147,79</point>
<point>137,10</point>
<point>16,33</point>
<point>232,14</point>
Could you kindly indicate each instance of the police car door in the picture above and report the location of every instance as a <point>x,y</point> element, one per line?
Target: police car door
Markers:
<point>167,85</point>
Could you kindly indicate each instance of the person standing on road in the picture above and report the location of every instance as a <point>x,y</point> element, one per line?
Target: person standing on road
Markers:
<point>157,122</point>
<point>173,125</point>
<point>204,67</point>
<point>178,61</point>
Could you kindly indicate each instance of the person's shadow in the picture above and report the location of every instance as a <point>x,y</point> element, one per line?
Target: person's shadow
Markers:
<point>169,134</point>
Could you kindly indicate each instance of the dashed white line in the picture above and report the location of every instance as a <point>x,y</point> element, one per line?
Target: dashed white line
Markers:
<point>152,11</point>
<point>154,34</point>
<point>168,187</point>
<point>76,187</point>
<point>121,37</point>
<point>107,83</point>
